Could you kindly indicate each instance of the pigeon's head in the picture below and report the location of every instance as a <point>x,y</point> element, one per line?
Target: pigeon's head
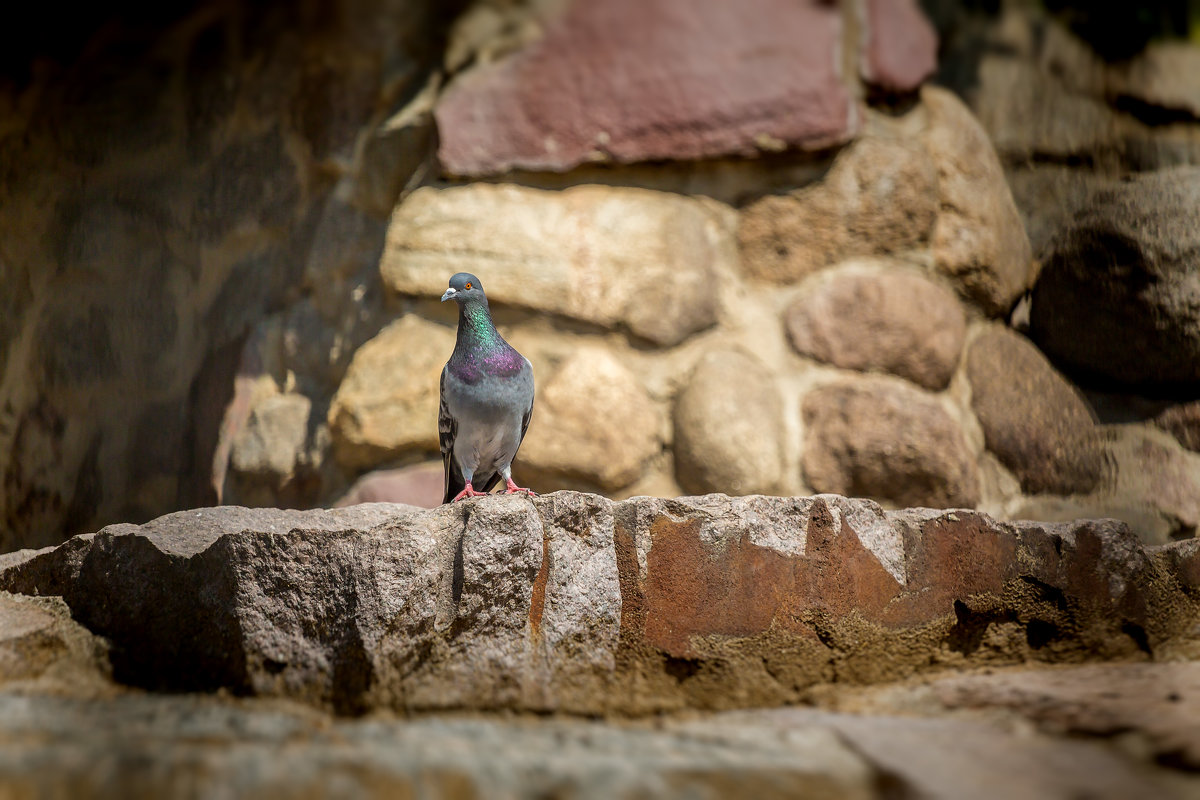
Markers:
<point>464,286</point>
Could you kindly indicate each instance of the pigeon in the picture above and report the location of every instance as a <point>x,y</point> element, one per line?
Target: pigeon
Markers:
<point>486,399</point>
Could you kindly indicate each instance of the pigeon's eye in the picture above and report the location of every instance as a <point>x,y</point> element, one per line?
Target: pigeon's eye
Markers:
<point>468,286</point>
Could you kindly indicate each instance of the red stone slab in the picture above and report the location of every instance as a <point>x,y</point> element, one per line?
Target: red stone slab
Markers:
<point>900,47</point>
<point>641,80</point>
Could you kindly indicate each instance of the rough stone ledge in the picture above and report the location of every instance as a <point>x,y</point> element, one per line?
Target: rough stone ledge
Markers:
<point>578,604</point>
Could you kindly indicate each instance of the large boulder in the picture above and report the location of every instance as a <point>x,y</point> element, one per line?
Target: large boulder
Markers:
<point>887,440</point>
<point>897,322</point>
<point>687,89</point>
<point>1036,423</point>
<point>615,257</point>
<point>1118,299</point>
<point>570,602</point>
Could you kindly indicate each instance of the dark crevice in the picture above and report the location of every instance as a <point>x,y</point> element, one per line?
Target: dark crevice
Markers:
<point>970,626</point>
<point>1039,633</point>
<point>1151,113</point>
<point>681,668</point>
<point>1046,592</point>
<point>1138,634</point>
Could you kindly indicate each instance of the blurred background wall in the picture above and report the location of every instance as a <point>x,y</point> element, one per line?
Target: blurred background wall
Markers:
<point>943,254</point>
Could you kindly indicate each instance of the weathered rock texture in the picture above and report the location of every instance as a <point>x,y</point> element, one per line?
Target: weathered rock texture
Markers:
<point>167,746</point>
<point>684,89</point>
<point>40,646</point>
<point>646,261</point>
<point>1119,296</point>
<point>595,422</point>
<point>1032,418</point>
<point>728,420</point>
<point>978,239</point>
<point>570,602</point>
<point>885,439</point>
<point>388,401</point>
<point>828,324</point>
<point>879,197</point>
<point>168,183</point>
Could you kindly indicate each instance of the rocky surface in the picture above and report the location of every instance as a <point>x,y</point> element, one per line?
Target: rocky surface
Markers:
<point>573,603</point>
<point>1032,418</point>
<point>727,423</point>
<point>686,90</point>
<point>879,196</point>
<point>388,401</point>
<point>1183,422</point>
<point>827,323</point>
<point>40,645</point>
<point>201,150</point>
<point>900,51</point>
<point>646,261</point>
<point>886,439</point>
<point>978,239</point>
<point>920,643</point>
<point>595,423</point>
<point>160,746</point>
<point>1118,297</point>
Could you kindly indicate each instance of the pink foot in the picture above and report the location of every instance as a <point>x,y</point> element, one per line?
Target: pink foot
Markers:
<point>512,488</point>
<point>468,491</point>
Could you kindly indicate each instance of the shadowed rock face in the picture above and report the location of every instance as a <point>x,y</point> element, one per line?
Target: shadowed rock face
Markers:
<point>571,602</point>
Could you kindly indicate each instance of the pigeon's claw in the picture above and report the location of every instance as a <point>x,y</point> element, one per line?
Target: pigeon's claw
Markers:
<point>468,491</point>
<point>512,488</point>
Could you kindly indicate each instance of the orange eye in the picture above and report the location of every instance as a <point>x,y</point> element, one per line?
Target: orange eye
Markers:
<point>468,286</point>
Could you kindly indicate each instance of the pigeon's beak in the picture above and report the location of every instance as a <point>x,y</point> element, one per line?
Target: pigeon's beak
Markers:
<point>449,294</point>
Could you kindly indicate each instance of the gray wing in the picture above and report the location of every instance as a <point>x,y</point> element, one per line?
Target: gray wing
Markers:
<point>447,430</point>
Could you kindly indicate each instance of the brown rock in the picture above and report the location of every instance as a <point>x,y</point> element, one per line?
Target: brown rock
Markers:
<point>592,422</point>
<point>879,197</point>
<point>901,45</point>
<point>878,438</point>
<point>1118,297</point>
<point>1151,472</point>
<point>274,440</point>
<point>728,419</point>
<point>1033,420</point>
<point>1182,422</point>
<point>388,401</point>
<point>40,642</point>
<point>891,321</point>
<point>686,88</point>
<point>570,602</point>
<point>978,240</point>
<point>1162,75</point>
<point>616,257</point>
<point>1028,112</point>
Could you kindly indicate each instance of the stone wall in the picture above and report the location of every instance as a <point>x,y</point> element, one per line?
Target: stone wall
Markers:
<point>794,271</point>
<point>168,180</point>
<point>836,320</point>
